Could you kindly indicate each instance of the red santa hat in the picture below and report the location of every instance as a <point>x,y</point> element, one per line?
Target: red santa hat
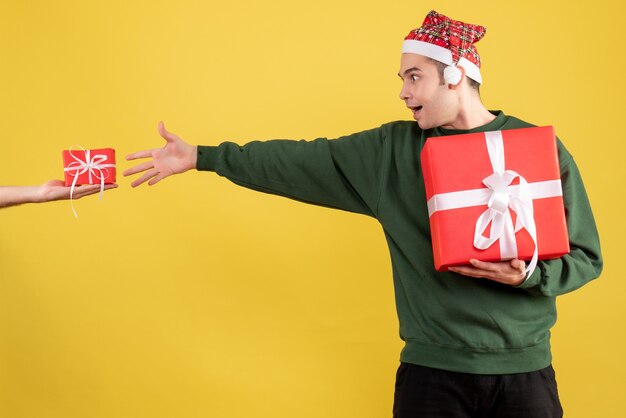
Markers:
<point>450,42</point>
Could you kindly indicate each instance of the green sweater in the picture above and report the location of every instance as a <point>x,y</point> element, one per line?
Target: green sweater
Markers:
<point>447,321</point>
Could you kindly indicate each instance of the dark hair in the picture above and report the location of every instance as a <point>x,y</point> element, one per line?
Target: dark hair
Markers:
<point>441,66</point>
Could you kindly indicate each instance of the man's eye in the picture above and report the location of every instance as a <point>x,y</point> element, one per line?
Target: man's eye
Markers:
<point>414,77</point>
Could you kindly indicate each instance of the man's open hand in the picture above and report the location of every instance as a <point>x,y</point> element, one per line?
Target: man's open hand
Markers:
<point>175,157</point>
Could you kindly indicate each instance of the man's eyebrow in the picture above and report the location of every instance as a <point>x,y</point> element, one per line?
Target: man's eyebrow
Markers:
<point>409,70</point>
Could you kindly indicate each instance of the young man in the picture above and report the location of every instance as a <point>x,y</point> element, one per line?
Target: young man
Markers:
<point>47,192</point>
<point>477,337</point>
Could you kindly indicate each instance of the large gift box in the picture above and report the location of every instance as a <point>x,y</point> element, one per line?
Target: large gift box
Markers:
<point>494,196</point>
<point>93,166</point>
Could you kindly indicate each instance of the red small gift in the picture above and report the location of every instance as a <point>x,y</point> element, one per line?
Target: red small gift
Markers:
<point>495,196</point>
<point>95,166</point>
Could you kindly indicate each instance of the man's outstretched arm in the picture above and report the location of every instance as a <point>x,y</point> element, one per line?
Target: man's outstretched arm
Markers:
<point>343,173</point>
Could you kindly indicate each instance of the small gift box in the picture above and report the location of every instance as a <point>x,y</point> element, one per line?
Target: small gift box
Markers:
<point>95,166</point>
<point>494,196</point>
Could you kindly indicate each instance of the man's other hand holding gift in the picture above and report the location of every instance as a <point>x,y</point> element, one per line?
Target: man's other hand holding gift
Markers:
<point>511,272</point>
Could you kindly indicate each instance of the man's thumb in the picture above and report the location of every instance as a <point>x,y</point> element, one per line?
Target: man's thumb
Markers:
<point>169,137</point>
<point>518,264</point>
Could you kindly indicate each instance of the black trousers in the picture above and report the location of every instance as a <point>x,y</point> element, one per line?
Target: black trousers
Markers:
<point>423,392</point>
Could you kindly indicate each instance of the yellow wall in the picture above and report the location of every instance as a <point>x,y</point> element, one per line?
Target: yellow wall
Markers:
<point>198,298</point>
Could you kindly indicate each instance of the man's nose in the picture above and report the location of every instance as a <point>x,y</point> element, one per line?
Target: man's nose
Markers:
<point>404,93</point>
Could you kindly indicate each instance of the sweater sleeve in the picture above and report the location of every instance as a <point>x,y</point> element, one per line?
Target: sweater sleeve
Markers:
<point>342,173</point>
<point>584,261</point>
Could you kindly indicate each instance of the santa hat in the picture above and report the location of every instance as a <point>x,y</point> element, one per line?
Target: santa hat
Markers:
<point>450,42</point>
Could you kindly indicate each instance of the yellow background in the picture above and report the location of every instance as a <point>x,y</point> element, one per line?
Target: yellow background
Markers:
<point>197,298</point>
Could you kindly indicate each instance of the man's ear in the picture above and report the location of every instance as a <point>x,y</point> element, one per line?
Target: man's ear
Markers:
<point>454,75</point>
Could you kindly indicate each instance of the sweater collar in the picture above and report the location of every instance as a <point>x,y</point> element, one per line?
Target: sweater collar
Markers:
<point>494,125</point>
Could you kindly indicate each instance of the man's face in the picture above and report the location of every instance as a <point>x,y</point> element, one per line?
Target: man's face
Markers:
<point>431,103</point>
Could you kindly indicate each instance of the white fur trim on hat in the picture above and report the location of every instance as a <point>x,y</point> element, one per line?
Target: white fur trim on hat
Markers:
<point>436,52</point>
<point>441,54</point>
<point>471,70</point>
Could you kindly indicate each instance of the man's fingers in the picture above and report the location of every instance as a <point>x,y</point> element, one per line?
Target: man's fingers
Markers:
<point>157,179</point>
<point>474,272</point>
<point>507,272</point>
<point>501,267</point>
<point>467,271</point>
<point>483,265</point>
<point>146,176</point>
<point>140,154</point>
<point>138,168</point>
<point>168,136</point>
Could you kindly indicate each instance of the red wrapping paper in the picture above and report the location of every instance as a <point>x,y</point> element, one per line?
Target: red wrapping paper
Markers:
<point>101,159</point>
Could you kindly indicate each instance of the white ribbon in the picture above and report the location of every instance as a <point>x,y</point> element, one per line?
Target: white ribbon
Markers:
<point>92,166</point>
<point>501,197</point>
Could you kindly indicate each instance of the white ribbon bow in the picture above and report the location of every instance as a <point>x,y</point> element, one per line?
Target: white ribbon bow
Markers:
<point>93,166</point>
<point>501,197</point>
<point>505,198</point>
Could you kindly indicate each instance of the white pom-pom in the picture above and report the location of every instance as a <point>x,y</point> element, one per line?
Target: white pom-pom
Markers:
<point>452,75</point>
